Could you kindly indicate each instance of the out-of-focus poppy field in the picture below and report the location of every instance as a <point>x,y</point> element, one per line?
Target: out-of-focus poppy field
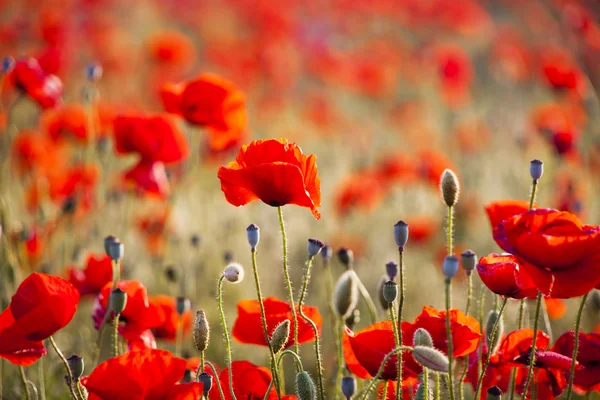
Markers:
<point>332,199</point>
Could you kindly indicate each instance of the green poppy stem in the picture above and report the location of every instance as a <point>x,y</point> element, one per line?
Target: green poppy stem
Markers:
<point>364,293</point>
<point>449,336</point>
<point>40,364</point>
<point>66,364</point>
<point>25,383</point>
<point>216,378</point>
<point>225,334</point>
<point>288,281</point>
<point>366,392</point>
<point>575,346</point>
<point>532,356</point>
<point>401,295</point>
<point>513,378</point>
<point>438,389</point>
<point>398,344</point>
<point>533,193</point>
<point>115,341</point>
<point>340,357</point>
<point>426,383</point>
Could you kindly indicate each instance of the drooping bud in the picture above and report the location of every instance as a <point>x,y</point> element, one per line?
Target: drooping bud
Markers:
<point>450,266</point>
<point>114,248</point>
<point>314,247</point>
<point>401,233</point>
<point>8,63</point>
<point>182,305</point>
<point>431,358</point>
<point>421,395</point>
<point>76,366</point>
<point>118,300</point>
<point>536,169</point>
<point>187,377</point>
<point>348,386</point>
<point>234,273</point>
<point>280,336</point>
<point>345,294</point>
<point>253,235</point>
<point>422,338</point>
<point>449,187</point>
<point>326,253</point>
<point>93,72</point>
<point>469,261</point>
<point>595,300</point>
<point>195,240</point>
<point>390,291</point>
<point>493,342</point>
<point>206,380</point>
<point>391,269</point>
<point>384,304</point>
<point>494,393</point>
<point>353,319</point>
<point>346,257</point>
<point>305,387</point>
<point>201,331</point>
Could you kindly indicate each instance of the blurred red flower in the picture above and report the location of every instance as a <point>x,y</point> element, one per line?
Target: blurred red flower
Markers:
<point>503,275</point>
<point>173,49</point>
<point>73,121</point>
<point>42,305</point>
<point>409,386</point>
<point>455,73</point>
<point>29,77</point>
<point>168,329</point>
<point>141,375</point>
<point>588,376</point>
<point>155,230</point>
<point>248,326</point>
<point>361,190</point>
<point>250,382</point>
<point>36,154</point>
<point>558,252</point>
<point>149,178</point>
<point>556,308</point>
<point>274,171</point>
<point>96,274</point>
<point>561,71</point>
<point>500,210</point>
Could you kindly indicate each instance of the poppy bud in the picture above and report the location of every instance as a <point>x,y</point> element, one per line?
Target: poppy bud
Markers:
<point>234,273</point>
<point>493,342</point>
<point>314,247</point>
<point>201,331</point>
<point>401,233</point>
<point>187,377</point>
<point>494,393</point>
<point>305,387</point>
<point>76,366</point>
<point>345,294</point>
<point>421,395</point>
<point>8,63</point>
<point>595,300</point>
<point>93,72</point>
<point>449,187</point>
<point>195,240</point>
<point>182,305</point>
<point>206,380</point>
<point>391,269</point>
<point>253,235</point>
<point>384,304</point>
<point>431,358</point>
<point>348,386</point>
<point>353,319</point>
<point>422,338</point>
<point>280,336</point>
<point>469,261</point>
<point>390,291</point>
<point>228,256</point>
<point>346,257</point>
<point>326,253</point>
<point>114,248</point>
<point>450,267</point>
<point>536,169</point>
<point>171,273</point>
<point>118,300</point>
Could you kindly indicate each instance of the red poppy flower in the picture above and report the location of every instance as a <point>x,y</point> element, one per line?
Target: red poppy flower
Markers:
<point>397,169</point>
<point>250,382</point>
<point>168,329</point>
<point>275,172</point>
<point>362,190</point>
<point>588,357</point>
<point>172,48</point>
<point>29,77</point>
<point>73,121</point>
<point>502,274</point>
<point>556,308</point>
<point>148,177</point>
<point>36,154</point>
<point>77,182</point>
<point>497,373</point>
<point>561,71</point>
<point>42,305</point>
<point>155,230</point>
<point>141,375</point>
<point>559,253</point>
<point>422,228</point>
<point>455,73</point>
<point>409,386</point>
<point>248,327</point>
<point>432,165</point>
<point>139,314</point>
<point>145,340</point>
<point>500,210</point>
<point>96,274</point>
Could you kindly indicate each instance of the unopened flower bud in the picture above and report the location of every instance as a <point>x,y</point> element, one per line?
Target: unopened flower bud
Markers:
<point>493,339</point>
<point>450,266</point>
<point>346,257</point>
<point>280,336</point>
<point>422,338</point>
<point>391,269</point>
<point>305,387</point>
<point>8,63</point>
<point>345,294</point>
<point>76,366</point>
<point>494,393</point>
<point>390,291</point>
<point>348,386</point>
<point>228,256</point>
<point>187,377</point>
<point>401,233</point>
<point>114,248</point>
<point>353,319</point>
<point>595,300</point>
<point>234,273</point>
<point>536,169</point>
<point>430,358</point>
<point>195,240</point>
<point>449,187</point>
<point>253,235</point>
<point>384,304</point>
<point>201,331</point>
<point>326,253</point>
<point>182,305</point>
<point>421,395</point>
<point>93,72</point>
<point>469,261</point>
<point>206,380</point>
<point>314,247</point>
<point>171,273</point>
<point>118,300</point>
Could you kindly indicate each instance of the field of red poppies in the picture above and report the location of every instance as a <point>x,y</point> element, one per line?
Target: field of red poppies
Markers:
<point>332,199</point>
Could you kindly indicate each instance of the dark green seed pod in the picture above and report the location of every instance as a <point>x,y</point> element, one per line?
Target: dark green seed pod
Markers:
<point>206,380</point>
<point>494,393</point>
<point>384,304</point>
<point>390,291</point>
<point>76,366</point>
<point>348,386</point>
<point>118,300</point>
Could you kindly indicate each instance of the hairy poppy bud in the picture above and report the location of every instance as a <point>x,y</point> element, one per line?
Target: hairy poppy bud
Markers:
<point>536,169</point>
<point>280,336</point>
<point>234,273</point>
<point>345,294</point>
<point>469,261</point>
<point>346,257</point>
<point>422,338</point>
<point>390,291</point>
<point>348,386</point>
<point>494,393</point>
<point>431,358</point>
<point>253,235</point>
<point>401,233</point>
<point>421,395</point>
<point>450,266</point>
<point>449,187</point>
<point>326,253</point>
<point>391,269</point>
<point>384,304</point>
<point>118,300</point>
<point>76,366</point>
<point>353,319</point>
<point>8,63</point>
<point>314,247</point>
<point>93,72</point>
<point>305,387</point>
<point>114,248</point>
<point>206,380</point>
<point>195,240</point>
<point>201,331</point>
<point>493,342</point>
<point>182,305</point>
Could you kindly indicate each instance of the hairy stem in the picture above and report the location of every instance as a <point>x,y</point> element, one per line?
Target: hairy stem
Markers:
<point>66,364</point>
<point>575,346</point>
<point>216,378</point>
<point>401,294</point>
<point>288,281</point>
<point>366,392</point>
<point>398,344</point>
<point>115,341</point>
<point>532,356</point>
<point>449,336</point>
<point>25,383</point>
<point>225,334</point>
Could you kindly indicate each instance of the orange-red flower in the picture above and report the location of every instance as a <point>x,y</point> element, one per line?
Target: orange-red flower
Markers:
<point>556,308</point>
<point>558,252</point>
<point>503,275</point>
<point>250,382</point>
<point>588,376</point>
<point>274,171</point>
<point>73,122</point>
<point>42,305</point>
<point>96,274</point>
<point>248,327</point>
<point>155,230</point>
<point>168,329</point>
<point>141,375</point>
<point>362,190</point>
<point>34,153</point>
<point>148,177</point>
<point>172,48</point>
<point>29,77</point>
<point>500,210</point>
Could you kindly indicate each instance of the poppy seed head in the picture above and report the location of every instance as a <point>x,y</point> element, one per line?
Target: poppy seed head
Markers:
<point>314,247</point>
<point>348,386</point>
<point>76,366</point>
<point>536,169</point>
<point>401,233</point>
<point>449,187</point>
<point>253,235</point>
<point>469,261</point>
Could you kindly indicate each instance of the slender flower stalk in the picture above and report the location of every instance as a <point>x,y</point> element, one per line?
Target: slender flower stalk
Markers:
<point>367,298</point>
<point>533,343</point>
<point>449,336</point>
<point>215,374</point>
<point>225,334</point>
<point>401,294</point>
<point>340,357</point>
<point>25,383</point>
<point>288,281</point>
<point>376,378</point>
<point>66,364</point>
<point>575,346</point>
<point>426,382</point>
<point>179,336</point>
<point>398,344</point>
<point>438,388</point>
<point>513,378</point>
<point>40,364</point>
<point>115,338</point>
